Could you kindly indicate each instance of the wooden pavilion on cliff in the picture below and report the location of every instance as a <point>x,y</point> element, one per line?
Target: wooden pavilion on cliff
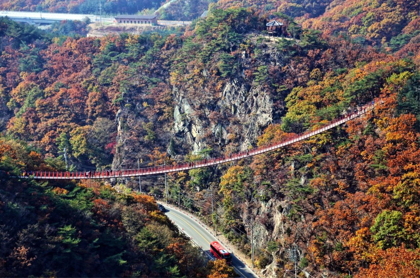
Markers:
<point>274,28</point>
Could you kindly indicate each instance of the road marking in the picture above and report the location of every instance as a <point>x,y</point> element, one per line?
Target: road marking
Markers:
<point>206,240</point>
<point>240,272</point>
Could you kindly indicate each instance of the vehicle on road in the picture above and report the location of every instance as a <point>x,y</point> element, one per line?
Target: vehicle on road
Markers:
<point>219,252</point>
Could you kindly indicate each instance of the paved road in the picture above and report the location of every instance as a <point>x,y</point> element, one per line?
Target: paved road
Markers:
<point>203,238</point>
<point>21,16</point>
<point>48,18</point>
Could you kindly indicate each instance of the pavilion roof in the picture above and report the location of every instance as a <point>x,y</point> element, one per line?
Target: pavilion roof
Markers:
<point>274,23</point>
<point>146,17</point>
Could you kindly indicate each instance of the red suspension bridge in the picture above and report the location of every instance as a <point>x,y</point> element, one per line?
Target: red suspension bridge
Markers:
<point>193,165</point>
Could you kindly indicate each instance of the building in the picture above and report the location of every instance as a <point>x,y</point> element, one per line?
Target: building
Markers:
<point>137,19</point>
<point>274,28</point>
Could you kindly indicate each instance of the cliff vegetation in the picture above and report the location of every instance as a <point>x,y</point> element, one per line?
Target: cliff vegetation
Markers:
<point>343,203</point>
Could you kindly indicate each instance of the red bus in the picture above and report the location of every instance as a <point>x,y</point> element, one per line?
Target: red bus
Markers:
<point>219,252</point>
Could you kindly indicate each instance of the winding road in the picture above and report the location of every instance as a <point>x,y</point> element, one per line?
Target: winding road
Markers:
<point>200,235</point>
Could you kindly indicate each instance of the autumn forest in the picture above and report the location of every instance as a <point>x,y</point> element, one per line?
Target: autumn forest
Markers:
<point>344,203</point>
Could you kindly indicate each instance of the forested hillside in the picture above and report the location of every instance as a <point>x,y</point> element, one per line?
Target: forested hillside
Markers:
<point>184,9</point>
<point>64,229</point>
<point>82,6</point>
<point>390,24</point>
<point>341,204</point>
<point>69,229</point>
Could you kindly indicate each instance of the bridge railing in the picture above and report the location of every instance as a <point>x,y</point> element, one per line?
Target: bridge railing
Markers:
<point>198,164</point>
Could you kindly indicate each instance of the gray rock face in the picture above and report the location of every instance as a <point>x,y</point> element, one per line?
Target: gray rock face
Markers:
<point>186,123</point>
<point>242,113</point>
<point>253,108</point>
